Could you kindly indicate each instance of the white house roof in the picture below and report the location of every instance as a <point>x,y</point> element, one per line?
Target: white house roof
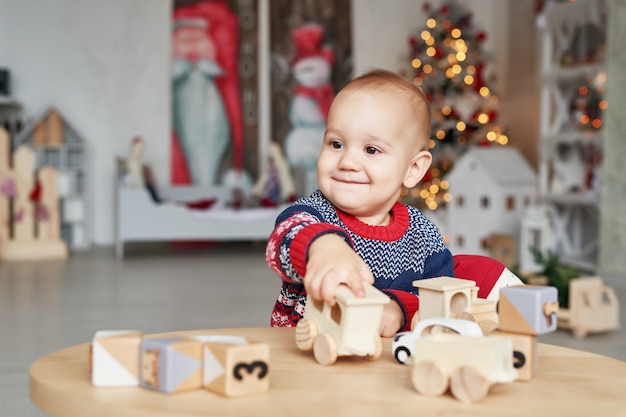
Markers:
<point>505,164</point>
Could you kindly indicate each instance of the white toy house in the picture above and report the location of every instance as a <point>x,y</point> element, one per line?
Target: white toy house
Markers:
<point>491,189</point>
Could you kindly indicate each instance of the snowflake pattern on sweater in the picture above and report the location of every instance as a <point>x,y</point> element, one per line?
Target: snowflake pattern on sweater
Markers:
<point>409,248</point>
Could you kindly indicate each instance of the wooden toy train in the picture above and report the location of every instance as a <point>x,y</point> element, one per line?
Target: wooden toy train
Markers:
<point>512,325</point>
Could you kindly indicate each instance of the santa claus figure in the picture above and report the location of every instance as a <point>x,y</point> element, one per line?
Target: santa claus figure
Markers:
<point>207,115</point>
<point>200,118</point>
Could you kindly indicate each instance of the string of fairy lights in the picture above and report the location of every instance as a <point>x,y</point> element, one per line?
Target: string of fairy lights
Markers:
<point>447,62</point>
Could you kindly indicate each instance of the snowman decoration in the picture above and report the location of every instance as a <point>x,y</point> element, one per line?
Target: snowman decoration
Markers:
<point>313,94</point>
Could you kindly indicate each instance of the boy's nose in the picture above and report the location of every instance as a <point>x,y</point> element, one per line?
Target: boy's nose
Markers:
<point>348,161</point>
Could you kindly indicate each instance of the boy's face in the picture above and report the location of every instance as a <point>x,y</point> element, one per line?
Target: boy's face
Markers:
<point>368,153</point>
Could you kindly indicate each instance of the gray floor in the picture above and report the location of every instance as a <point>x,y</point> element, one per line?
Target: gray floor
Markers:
<point>47,306</point>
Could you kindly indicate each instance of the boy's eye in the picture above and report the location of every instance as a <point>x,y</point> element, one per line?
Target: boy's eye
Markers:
<point>336,144</point>
<point>371,150</point>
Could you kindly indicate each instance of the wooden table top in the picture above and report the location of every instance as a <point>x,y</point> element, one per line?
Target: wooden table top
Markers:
<point>569,383</point>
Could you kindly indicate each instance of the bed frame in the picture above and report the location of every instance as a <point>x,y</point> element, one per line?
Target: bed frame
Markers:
<point>140,219</point>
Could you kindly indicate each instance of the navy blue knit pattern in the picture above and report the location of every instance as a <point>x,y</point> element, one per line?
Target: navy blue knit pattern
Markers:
<point>419,253</point>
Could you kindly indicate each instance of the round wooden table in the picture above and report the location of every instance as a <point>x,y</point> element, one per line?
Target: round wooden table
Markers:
<point>569,383</point>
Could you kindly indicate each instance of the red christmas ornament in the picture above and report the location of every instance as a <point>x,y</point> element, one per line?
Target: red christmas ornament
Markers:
<point>438,52</point>
<point>481,36</point>
<point>444,10</point>
<point>426,6</point>
<point>412,41</point>
<point>479,81</point>
<point>464,21</point>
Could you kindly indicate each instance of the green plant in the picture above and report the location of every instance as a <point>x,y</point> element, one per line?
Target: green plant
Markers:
<point>558,275</point>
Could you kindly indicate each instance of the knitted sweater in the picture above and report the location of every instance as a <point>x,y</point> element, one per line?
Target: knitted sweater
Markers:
<point>408,249</point>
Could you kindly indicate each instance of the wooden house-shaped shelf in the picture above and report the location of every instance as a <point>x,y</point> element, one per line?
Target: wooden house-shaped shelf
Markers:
<point>57,143</point>
<point>491,189</point>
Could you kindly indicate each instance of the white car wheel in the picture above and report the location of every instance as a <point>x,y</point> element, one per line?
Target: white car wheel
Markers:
<point>402,354</point>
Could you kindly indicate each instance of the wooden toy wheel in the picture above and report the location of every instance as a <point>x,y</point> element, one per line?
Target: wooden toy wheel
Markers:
<point>579,332</point>
<point>464,315</point>
<point>402,354</point>
<point>429,378</point>
<point>488,326</point>
<point>468,385</point>
<point>325,349</point>
<point>378,349</point>
<point>306,330</point>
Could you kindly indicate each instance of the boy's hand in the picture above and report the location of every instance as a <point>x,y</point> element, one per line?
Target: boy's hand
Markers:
<point>391,321</point>
<point>333,262</point>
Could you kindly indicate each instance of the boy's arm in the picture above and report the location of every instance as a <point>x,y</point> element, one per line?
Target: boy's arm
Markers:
<point>288,246</point>
<point>408,304</point>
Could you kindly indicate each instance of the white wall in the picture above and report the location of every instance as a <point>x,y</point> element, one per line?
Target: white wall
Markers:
<point>105,65</point>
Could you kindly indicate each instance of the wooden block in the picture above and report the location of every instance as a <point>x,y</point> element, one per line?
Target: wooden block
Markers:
<point>528,309</point>
<point>483,309</point>
<point>444,296</point>
<point>33,251</point>
<point>593,307</point>
<point>49,225</point>
<point>524,354</point>
<point>171,365</point>
<point>23,219</point>
<point>6,179</point>
<point>236,367</point>
<point>115,358</point>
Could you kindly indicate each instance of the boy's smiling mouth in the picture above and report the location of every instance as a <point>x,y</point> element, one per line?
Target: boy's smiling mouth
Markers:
<point>348,180</point>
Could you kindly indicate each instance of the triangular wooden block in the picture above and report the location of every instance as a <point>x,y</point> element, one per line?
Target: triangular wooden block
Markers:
<point>511,319</point>
<point>125,348</point>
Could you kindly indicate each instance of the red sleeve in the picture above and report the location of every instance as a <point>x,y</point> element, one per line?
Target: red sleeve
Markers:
<point>485,271</point>
<point>300,245</point>
<point>288,245</point>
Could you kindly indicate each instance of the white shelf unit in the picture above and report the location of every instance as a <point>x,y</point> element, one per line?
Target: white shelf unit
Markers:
<point>69,158</point>
<point>573,79</point>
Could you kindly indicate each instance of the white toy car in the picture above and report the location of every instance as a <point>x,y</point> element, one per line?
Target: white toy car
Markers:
<point>404,342</point>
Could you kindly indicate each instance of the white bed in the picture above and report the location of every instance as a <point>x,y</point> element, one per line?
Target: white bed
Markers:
<point>140,219</point>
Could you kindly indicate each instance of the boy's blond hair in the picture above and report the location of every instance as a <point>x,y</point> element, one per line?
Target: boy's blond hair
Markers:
<point>383,79</point>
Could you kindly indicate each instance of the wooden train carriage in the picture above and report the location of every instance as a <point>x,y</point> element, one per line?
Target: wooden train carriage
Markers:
<point>350,327</point>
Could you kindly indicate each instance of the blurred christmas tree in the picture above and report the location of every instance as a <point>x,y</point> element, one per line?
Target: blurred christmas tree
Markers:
<point>448,62</point>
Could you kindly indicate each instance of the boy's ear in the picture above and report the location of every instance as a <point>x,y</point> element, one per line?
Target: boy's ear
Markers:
<point>419,165</point>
